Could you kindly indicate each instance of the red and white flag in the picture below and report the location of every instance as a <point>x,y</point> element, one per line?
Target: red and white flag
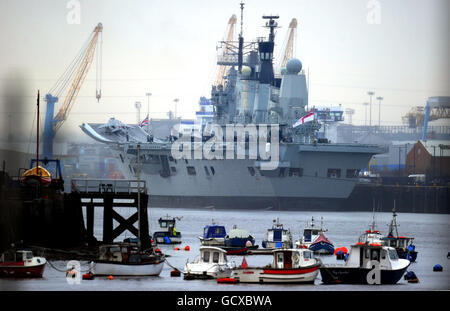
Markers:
<point>307,118</point>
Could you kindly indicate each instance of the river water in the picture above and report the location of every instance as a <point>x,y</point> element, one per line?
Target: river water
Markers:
<point>431,233</point>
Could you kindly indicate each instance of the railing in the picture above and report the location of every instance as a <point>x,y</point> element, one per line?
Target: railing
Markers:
<point>108,185</point>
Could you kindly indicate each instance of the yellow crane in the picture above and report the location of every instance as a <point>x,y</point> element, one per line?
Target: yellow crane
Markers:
<point>287,51</point>
<point>229,38</point>
<point>74,75</point>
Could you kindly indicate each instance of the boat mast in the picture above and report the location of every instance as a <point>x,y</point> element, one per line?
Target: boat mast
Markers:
<point>241,40</point>
<point>139,193</point>
<point>37,137</point>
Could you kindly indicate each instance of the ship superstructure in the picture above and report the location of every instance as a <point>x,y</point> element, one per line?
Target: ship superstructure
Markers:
<point>272,110</point>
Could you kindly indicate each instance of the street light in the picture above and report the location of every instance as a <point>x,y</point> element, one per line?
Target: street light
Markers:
<point>148,111</point>
<point>365,120</point>
<point>379,98</point>
<point>138,106</point>
<point>176,100</point>
<point>370,93</point>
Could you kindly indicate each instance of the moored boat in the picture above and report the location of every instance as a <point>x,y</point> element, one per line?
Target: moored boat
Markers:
<point>403,245</point>
<point>288,266</point>
<point>213,235</point>
<point>277,236</point>
<point>322,245</point>
<point>126,259</point>
<point>310,233</point>
<point>21,264</point>
<point>167,233</point>
<point>211,264</point>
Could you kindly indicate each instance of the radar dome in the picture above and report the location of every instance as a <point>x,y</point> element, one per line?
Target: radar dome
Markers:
<point>246,71</point>
<point>294,66</point>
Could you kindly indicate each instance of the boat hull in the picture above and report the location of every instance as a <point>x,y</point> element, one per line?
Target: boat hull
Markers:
<point>121,269</point>
<point>273,245</point>
<point>356,275</point>
<point>160,238</point>
<point>195,271</point>
<point>15,271</point>
<point>261,275</point>
<point>322,248</point>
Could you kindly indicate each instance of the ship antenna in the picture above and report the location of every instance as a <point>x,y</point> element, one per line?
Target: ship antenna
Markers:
<point>241,40</point>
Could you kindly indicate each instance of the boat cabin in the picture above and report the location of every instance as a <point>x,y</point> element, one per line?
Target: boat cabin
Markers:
<point>362,254</point>
<point>17,256</point>
<point>167,224</point>
<point>122,252</point>
<point>213,255</point>
<point>214,231</point>
<point>291,258</point>
<point>371,236</point>
<point>398,242</point>
<point>311,232</point>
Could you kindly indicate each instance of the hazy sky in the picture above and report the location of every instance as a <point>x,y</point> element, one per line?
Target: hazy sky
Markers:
<point>168,48</point>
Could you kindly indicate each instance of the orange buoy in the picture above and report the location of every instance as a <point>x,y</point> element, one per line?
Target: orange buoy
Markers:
<point>227,280</point>
<point>111,277</point>
<point>187,248</point>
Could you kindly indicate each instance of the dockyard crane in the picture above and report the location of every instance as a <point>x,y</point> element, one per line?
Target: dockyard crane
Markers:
<point>287,51</point>
<point>72,78</point>
<point>229,38</point>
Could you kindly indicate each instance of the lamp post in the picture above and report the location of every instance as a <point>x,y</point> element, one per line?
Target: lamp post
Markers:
<point>138,108</point>
<point>148,111</point>
<point>379,98</point>
<point>176,100</point>
<point>370,93</point>
<point>365,120</point>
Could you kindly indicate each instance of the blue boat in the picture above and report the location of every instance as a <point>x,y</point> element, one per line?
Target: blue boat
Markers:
<point>213,235</point>
<point>322,245</point>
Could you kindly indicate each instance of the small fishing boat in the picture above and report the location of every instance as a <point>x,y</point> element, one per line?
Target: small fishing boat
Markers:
<point>167,233</point>
<point>288,266</point>
<point>126,259</point>
<point>310,233</point>
<point>403,245</point>
<point>211,264</point>
<point>322,245</point>
<point>277,236</point>
<point>21,264</point>
<point>240,238</point>
<point>213,235</point>
<point>361,266</point>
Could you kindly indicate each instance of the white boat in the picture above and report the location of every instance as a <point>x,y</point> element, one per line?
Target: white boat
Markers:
<point>277,236</point>
<point>211,264</point>
<point>288,266</point>
<point>310,234</point>
<point>125,259</point>
<point>359,268</point>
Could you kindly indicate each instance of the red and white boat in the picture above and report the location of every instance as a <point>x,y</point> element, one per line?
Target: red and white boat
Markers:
<point>21,264</point>
<point>288,266</point>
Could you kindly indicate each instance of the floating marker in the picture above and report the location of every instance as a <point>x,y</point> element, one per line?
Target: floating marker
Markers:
<point>437,268</point>
<point>110,277</point>
<point>187,248</point>
<point>175,273</point>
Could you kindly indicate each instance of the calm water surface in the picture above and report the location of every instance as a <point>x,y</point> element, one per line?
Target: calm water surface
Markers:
<point>431,233</point>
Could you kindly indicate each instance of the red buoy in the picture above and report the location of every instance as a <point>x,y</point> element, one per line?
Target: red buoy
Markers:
<point>88,276</point>
<point>111,277</point>
<point>175,272</point>
<point>177,249</point>
<point>187,248</point>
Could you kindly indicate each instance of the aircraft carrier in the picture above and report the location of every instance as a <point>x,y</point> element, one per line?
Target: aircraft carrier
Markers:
<point>311,172</point>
